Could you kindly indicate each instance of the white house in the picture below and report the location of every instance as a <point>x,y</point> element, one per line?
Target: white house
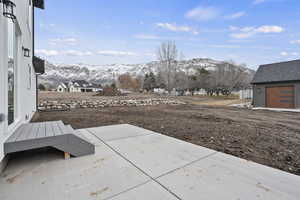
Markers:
<point>18,66</point>
<point>63,87</point>
<point>78,86</point>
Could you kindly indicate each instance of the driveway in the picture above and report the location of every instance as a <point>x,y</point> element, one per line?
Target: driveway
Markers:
<point>132,163</point>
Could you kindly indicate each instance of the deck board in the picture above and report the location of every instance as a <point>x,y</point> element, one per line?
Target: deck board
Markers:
<point>26,131</point>
<point>61,126</point>
<point>35,129</point>
<point>16,134</point>
<point>45,134</point>
<point>49,129</point>
<point>56,130</point>
<point>42,131</point>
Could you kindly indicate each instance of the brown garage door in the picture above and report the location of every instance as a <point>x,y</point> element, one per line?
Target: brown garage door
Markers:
<point>280,97</point>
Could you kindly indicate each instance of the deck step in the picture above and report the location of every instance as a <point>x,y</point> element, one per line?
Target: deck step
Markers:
<point>54,134</point>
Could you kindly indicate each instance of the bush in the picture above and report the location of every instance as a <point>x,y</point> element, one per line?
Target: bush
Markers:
<point>110,91</point>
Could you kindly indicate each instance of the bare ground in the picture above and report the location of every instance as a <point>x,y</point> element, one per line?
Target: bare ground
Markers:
<point>265,137</point>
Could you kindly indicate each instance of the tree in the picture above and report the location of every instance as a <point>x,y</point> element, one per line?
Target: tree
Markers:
<point>226,77</point>
<point>127,82</point>
<point>42,87</point>
<point>160,82</point>
<point>136,84</point>
<point>167,56</point>
<point>149,81</point>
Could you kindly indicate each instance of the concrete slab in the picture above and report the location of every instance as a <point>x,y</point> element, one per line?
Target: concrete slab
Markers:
<point>223,176</point>
<point>184,170</point>
<point>157,154</point>
<point>148,191</point>
<point>91,138</point>
<point>115,132</point>
<point>277,109</point>
<point>45,175</point>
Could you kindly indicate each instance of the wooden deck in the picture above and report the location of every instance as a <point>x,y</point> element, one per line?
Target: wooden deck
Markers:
<point>48,134</point>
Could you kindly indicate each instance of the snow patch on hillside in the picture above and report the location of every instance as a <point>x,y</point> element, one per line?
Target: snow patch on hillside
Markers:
<point>56,73</point>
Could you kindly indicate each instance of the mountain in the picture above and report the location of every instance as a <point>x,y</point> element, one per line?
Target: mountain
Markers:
<point>103,74</point>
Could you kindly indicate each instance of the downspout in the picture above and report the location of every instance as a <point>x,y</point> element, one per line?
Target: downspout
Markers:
<point>33,53</point>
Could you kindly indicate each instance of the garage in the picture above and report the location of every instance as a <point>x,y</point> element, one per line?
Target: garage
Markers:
<point>277,85</point>
<point>280,97</point>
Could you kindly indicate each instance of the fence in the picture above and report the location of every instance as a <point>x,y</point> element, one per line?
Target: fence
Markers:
<point>246,94</point>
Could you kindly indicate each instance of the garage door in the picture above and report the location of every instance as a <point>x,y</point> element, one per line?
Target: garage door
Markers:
<point>280,97</point>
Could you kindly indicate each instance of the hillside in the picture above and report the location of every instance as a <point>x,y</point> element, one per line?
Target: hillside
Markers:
<point>56,73</point>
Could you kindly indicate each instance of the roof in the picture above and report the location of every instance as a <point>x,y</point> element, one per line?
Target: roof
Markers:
<point>278,72</point>
<point>39,65</point>
<point>39,4</point>
<point>81,83</point>
<point>63,84</point>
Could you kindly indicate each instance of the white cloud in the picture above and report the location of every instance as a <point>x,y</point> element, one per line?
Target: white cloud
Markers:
<point>236,15</point>
<point>225,46</point>
<point>46,52</point>
<point>270,29</point>
<point>203,13</point>
<point>233,28</point>
<point>247,29</point>
<point>63,41</point>
<point>242,35</point>
<point>295,42</point>
<point>49,53</point>
<point>258,1</point>
<point>146,37</point>
<point>150,54</point>
<point>291,54</point>
<point>250,31</point>
<point>77,53</point>
<point>116,53</point>
<point>176,28</point>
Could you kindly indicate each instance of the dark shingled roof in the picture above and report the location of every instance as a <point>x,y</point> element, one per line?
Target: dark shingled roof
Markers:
<point>39,4</point>
<point>278,72</point>
<point>81,83</point>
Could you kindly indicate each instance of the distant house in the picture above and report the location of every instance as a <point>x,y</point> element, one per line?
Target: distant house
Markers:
<point>63,87</point>
<point>159,91</point>
<point>277,85</point>
<point>79,86</point>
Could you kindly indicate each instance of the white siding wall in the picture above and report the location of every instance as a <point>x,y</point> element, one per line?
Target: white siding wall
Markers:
<point>2,79</point>
<point>26,96</point>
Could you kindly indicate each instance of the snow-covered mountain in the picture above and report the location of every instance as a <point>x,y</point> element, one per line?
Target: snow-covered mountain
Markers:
<point>56,73</point>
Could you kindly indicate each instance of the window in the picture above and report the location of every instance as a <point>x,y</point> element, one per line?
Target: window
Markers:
<point>12,48</point>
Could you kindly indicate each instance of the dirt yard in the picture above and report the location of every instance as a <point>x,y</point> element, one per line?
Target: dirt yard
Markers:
<point>265,137</point>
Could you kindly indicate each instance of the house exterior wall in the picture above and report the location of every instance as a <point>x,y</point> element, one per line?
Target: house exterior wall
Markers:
<point>25,81</point>
<point>60,88</point>
<point>259,93</point>
<point>74,89</point>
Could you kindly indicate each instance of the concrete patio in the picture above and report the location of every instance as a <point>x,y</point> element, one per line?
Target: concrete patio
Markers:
<point>132,163</point>
<point>277,109</point>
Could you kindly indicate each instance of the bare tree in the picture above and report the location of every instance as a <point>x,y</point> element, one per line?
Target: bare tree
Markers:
<point>167,56</point>
<point>225,78</point>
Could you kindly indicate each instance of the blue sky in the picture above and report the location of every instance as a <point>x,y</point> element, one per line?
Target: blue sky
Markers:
<point>253,32</point>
